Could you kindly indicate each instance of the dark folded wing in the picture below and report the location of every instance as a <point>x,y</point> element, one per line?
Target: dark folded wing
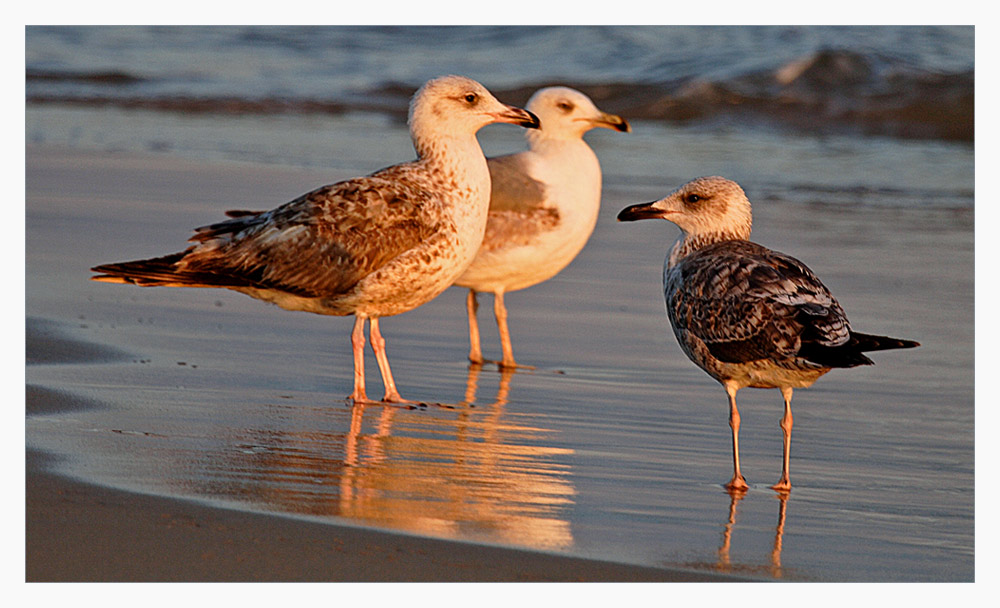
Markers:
<point>747,302</point>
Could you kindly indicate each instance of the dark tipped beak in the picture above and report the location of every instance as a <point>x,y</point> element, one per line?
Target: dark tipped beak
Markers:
<point>612,121</point>
<point>519,116</point>
<point>642,211</point>
<point>532,122</point>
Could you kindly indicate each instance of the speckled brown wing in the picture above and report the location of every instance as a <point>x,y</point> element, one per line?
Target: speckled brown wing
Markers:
<point>318,245</point>
<point>513,228</point>
<point>747,302</point>
<point>512,188</point>
<point>518,209</point>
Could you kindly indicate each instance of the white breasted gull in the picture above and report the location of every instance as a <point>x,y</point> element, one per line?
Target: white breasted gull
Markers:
<point>745,314</point>
<point>543,207</point>
<point>371,246</point>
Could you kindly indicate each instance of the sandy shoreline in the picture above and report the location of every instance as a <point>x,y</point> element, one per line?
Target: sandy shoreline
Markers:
<point>81,532</point>
<point>178,393</point>
<point>77,532</point>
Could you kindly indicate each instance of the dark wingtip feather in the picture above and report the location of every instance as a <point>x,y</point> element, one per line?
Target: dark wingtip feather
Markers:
<point>237,213</point>
<point>869,342</point>
<point>838,356</point>
<point>154,271</point>
<point>851,353</point>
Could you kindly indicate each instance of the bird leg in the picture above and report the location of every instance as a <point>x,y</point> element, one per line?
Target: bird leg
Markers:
<point>500,312</point>
<point>378,345</point>
<point>737,483</point>
<point>475,354</point>
<point>785,484</point>
<point>358,346</point>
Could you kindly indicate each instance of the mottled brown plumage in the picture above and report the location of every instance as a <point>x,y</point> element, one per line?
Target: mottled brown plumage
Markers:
<point>319,245</point>
<point>746,302</point>
<point>371,246</point>
<point>747,315</point>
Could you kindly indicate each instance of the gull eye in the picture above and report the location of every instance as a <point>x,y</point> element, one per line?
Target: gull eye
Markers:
<point>692,198</point>
<point>565,106</point>
<point>471,98</point>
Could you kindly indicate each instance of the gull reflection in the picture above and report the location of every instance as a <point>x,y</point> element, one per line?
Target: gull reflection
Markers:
<point>727,532</point>
<point>778,534</point>
<point>471,471</point>
<point>725,564</point>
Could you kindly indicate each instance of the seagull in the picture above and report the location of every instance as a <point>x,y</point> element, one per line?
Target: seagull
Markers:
<point>372,246</point>
<point>748,315</point>
<point>543,207</point>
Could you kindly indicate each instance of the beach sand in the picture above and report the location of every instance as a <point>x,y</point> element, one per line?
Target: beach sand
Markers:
<point>166,392</point>
<point>79,532</point>
<point>76,531</point>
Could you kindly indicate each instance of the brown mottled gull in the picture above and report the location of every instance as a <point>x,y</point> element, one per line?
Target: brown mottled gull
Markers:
<point>543,207</point>
<point>371,246</point>
<point>745,314</point>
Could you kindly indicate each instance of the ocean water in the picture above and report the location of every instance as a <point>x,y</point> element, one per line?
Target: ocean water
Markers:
<point>617,446</point>
<point>912,81</point>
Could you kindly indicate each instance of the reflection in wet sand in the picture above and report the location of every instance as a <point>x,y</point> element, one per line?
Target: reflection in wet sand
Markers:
<point>724,564</point>
<point>468,472</point>
<point>779,533</point>
<point>727,533</point>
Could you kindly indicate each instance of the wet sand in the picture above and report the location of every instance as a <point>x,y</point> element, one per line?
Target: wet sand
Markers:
<point>77,531</point>
<point>217,395</point>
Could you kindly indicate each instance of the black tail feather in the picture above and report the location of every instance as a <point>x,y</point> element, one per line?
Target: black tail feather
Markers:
<point>869,342</point>
<point>851,353</point>
<point>237,213</point>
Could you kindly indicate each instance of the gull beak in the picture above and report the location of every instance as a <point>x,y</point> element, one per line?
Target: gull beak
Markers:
<point>517,116</point>
<point>612,121</point>
<point>642,211</point>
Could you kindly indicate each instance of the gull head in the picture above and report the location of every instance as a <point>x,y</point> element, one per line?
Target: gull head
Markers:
<point>707,205</point>
<point>455,106</point>
<point>567,114</point>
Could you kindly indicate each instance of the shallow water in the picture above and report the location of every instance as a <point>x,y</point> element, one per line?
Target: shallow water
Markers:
<point>617,446</point>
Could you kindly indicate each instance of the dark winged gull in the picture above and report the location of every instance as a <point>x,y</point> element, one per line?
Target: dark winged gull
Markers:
<point>544,204</point>
<point>745,314</point>
<point>370,247</point>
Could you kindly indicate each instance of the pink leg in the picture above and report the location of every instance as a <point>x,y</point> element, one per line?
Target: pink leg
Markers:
<point>500,312</point>
<point>472,305</point>
<point>737,483</point>
<point>358,346</point>
<point>378,345</point>
<point>785,484</point>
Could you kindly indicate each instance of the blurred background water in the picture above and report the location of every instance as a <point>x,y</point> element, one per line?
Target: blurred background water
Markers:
<point>208,88</point>
<point>855,140</point>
